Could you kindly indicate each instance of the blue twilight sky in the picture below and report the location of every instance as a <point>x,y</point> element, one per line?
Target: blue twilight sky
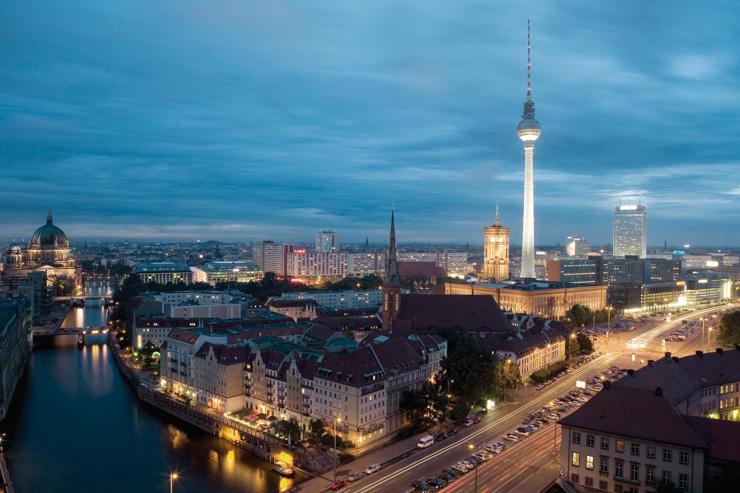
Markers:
<point>272,119</point>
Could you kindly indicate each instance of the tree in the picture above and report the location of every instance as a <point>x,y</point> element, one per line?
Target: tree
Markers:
<point>728,330</point>
<point>289,430</point>
<point>572,348</point>
<point>578,315</point>
<point>315,430</point>
<point>586,346</point>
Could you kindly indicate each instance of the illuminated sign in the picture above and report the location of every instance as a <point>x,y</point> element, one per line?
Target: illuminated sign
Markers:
<point>580,384</point>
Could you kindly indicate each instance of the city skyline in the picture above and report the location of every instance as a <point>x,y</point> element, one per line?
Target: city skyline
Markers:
<point>121,150</point>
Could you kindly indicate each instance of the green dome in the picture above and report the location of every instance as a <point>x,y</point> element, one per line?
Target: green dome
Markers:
<point>49,235</point>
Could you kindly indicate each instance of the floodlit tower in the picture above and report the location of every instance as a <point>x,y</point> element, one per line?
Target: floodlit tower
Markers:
<point>496,251</point>
<point>528,131</point>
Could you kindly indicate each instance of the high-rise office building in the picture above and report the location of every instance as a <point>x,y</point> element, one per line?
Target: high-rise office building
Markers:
<point>576,246</point>
<point>327,241</point>
<point>496,251</point>
<point>630,230</point>
<point>528,131</point>
<point>271,256</point>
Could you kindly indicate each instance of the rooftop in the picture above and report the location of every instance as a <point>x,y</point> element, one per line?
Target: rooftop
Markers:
<point>162,267</point>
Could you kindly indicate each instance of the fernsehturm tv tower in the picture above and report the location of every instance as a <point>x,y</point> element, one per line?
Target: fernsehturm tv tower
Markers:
<point>528,131</point>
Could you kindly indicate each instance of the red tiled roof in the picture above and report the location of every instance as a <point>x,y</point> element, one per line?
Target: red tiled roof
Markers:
<point>355,368</point>
<point>225,355</point>
<point>422,312</point>
<point>184,335</point>
<point>637,413</point>
<point>722,436</point>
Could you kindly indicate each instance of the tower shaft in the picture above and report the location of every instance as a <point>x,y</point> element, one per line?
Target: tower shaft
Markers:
<point>528,269</point>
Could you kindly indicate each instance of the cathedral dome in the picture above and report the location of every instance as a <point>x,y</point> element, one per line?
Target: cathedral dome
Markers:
<point>49,235</point>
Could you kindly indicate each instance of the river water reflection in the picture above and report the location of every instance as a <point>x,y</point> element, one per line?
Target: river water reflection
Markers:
<point>76,426</point>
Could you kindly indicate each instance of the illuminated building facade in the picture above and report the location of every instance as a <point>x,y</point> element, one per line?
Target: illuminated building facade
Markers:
<point>544,299</point>
<point>577,246</point>
<point>47,252</point>
<point>496,251</point>
<point>327,241</point>
<point>630,230</point>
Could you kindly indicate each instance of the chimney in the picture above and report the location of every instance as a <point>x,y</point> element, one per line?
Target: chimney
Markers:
<point>651,363</point>
<point>631,372</point>
<point>659,391</point>
<point>720,351</point>
<point>675,358</point>
<point>700,354</point>
<point>668,355</point>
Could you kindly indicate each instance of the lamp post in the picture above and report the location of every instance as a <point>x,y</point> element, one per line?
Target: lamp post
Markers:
<point>608,324</point>
<point>472,447</point>
<point>703,332</point>
<point>336,452</point>
<point>173,477</point>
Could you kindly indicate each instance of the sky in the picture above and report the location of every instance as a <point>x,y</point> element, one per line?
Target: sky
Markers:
<point>250,120</point>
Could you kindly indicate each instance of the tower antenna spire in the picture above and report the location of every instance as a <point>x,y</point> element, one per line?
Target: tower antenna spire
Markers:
<point>497,221</point>
<point>529,62</point>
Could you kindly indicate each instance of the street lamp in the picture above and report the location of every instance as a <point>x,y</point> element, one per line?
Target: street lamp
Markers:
<point>703,332</point>
<point>472,447</point>
<point>173,477</point>
<point>336,452</point>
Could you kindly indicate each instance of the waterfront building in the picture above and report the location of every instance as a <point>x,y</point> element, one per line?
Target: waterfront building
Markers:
<point>230,271</point>
<point>672,421</point>
<point>577,246</point>
<point>218,376</point>
<point>15,328</point>
<point>630,231</point>
<point>327,241</point>
<point>164,273</point>
<point>540,298</point>
<point>528,132</point>
<point>495,251</point>
<point>338,300</point>
<point>47,252</point>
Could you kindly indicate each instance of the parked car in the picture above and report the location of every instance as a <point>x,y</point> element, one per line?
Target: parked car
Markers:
<point>467,422</point>
<point>448,475</point>
<point>372,468</point>
<point>459,468</point>
<point>420,486</point>
<point>436,483</point>
<point>522,431</point>
<point>452,473</point>
<point>354,476</point>
<point>338,485</point>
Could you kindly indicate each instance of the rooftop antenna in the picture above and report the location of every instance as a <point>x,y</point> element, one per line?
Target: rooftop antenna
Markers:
<point>497,221</point>
<point>529,62</point>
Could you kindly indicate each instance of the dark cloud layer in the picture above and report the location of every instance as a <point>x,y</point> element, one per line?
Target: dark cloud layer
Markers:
<point>246,120</point>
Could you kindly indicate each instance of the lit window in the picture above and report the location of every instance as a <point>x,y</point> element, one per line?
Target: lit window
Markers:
<point>576,459</point>
<point>590,462</point>
<point>619,447</point>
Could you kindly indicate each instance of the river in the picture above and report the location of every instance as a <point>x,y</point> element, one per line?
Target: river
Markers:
<point>76,426</point>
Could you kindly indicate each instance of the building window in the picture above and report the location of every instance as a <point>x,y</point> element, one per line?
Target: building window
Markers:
<point>590,440</point>
<point>650,473</point>
<point>683,457</point>
<point>618,468</point>
<point>650,452</point>
<point>635,471</point>
<point>589,481</point>
<point>574,478</point>
<point>590,462</point>
<point>683,481</point>
<point>667,455</point>
<point>604,443</point>
<point>635,449</point>
<point>667,477</point>
<point>576,437</point>
<point>619,446</point>
<point>575,459</point>
<point>603,485</point>
<point>604,465</point>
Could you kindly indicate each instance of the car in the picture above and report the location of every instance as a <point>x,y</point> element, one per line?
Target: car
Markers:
<point>511,438</point>
<point>484,456</point>
<point>440,437</point>
<point>523,431</point>
<point>460,468</point>
<point>477,418</point>
<point>420,486</point>
<point>452,473</point>
<point>338,485</point>
<point>372,468</point>
<point>452,432</point>
<point>475,460</point>
<point>446,476</point>
<point>470,463</point>
<point>553,416</point>
<point>468,422</point>
<point>354,476</point>
<point>436,483</point>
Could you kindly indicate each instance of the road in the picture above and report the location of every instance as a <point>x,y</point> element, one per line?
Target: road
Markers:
<point>504,468</point>
<point>513,469</point>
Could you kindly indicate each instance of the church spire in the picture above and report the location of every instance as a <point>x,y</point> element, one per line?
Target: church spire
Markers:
<point>49,219</point>
<point>392,277</point>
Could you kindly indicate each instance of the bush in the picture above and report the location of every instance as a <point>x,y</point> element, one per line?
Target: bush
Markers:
<point>459,412</point>
<point>545,374</point>
<point>728,333</point>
